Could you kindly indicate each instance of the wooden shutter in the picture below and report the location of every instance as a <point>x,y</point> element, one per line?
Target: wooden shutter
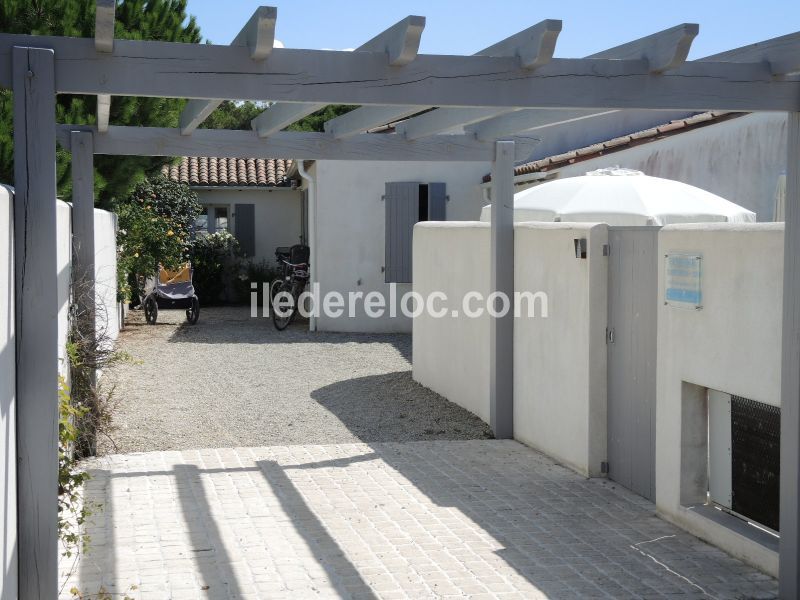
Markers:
<point>437,202</point>
<point>246,227</point>
<point>402,211</point>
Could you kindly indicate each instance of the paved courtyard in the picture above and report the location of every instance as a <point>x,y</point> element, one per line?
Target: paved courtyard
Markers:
<point>302,465</point>
<point>441,519</point>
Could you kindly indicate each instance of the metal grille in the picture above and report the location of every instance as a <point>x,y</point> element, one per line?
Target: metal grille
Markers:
<point>755,455</point>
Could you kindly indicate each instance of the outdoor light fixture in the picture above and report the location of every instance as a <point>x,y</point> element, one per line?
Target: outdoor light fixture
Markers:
<point>580,247</point>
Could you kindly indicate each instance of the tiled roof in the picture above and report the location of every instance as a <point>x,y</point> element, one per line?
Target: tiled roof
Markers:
<point>621,143</point>
<point>211,171</point>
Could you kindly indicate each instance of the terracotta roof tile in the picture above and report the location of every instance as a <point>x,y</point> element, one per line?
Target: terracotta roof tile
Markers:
<point>238,172</point>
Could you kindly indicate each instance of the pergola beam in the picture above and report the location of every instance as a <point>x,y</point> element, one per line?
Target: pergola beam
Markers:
<point>782,54</point>
<point>104,42</point>
<point>158,141</point>
<point>663,51</point>
<point>206,71</point>
<point>442,119</point>
<point>258,35</point>
<point>400,43</point>
<point>533,48</point>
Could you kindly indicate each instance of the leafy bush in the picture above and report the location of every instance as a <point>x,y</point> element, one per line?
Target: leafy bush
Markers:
<point>155,226</point>
<point>217,263</point>
<point>259,272</point>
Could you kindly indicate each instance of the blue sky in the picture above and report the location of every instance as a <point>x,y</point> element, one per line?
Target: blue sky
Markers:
<point>467,26</point>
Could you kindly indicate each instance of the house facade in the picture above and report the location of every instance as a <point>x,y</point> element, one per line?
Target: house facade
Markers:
<point>256,200</point>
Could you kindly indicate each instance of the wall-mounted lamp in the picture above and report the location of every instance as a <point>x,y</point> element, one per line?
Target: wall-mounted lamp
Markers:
<point>580,247</point>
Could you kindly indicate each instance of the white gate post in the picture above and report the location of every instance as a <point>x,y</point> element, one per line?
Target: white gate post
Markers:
<point>501,328</point>
<point>790,373</point>
<point>36,320</point>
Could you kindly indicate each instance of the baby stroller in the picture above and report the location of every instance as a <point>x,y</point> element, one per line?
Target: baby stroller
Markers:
<point>171,289</point>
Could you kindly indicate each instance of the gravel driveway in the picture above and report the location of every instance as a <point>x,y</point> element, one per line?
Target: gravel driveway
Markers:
<point>234,381</point>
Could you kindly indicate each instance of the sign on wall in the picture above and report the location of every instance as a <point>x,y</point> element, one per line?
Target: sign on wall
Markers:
<point>683,280</point>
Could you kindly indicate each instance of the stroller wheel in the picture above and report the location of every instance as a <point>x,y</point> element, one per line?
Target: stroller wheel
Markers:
<point>150,310</point>
<point>193,313</point>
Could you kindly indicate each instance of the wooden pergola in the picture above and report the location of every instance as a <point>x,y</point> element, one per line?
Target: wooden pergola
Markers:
<point>499,95</point>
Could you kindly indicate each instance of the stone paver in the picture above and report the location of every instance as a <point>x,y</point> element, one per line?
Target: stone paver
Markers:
<point>425,519</point>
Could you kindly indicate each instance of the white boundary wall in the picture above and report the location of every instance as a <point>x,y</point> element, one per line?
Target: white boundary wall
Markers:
<point>106,289</point>
<point>559,361</point>
<point>8,453</point>
<point>732,344</point>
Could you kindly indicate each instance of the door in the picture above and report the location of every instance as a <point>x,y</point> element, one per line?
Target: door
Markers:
<point>632,313</point>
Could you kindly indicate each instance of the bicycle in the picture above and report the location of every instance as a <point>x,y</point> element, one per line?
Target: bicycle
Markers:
<point>293,281</point>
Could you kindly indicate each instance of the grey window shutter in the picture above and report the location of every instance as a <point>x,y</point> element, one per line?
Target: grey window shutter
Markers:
<point>212,220</point>
<point>437,202</point>
<point>402,211</point>
<point>246,227</point>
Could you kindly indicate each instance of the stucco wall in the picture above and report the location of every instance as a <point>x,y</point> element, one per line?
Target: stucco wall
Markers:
<point>740,160</point>
<point>8,440</point>
<point>278,215</point>
<point>451,355</point>
<point>560,361</point>
<point>732,344</point>
<point>350,226</point>
<point>105,268</point>
<point>64,265</point>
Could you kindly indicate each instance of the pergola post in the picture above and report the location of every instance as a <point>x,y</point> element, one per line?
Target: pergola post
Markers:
<point>36,320</point>
<point>790,373</point>
<point>501,328</point>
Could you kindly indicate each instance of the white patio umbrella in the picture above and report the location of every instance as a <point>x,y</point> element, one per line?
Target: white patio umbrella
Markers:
<point>622,197</point>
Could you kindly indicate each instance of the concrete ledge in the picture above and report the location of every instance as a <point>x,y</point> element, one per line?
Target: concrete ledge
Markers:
<point>733,535</point>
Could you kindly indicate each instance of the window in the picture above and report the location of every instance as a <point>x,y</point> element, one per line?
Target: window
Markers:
<point>407,203</point>
<point>214,219</point>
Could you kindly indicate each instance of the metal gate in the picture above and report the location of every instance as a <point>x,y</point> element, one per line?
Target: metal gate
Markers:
<point>631,338</point>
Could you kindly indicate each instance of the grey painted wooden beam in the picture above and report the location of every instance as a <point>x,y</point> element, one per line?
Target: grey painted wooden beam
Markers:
<point>533,47</point>
<point>501,328</point>
<point>780,53</point>
<point>104,25</point>
<point>36,321</point>
<point>789,574</point>
<point>442,119</point>
<point>165,69</point>
<point>103,112</point>
<point>258,35</point>
<point>156,141</point>
<point>663,51</point>
<point>83,249</point>
<point>368,117</point>
<point>400,43</point>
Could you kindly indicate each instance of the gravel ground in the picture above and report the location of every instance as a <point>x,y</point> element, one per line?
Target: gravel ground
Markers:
<point>235,381</point>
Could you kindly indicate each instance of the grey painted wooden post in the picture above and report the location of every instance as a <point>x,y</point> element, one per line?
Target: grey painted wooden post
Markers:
<point>501,375</point>
<point>83,253</point>
<point>36,315</point>
<point>790,389</point>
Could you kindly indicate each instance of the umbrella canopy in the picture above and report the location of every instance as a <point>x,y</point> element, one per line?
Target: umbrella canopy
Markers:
<point>622,197</point>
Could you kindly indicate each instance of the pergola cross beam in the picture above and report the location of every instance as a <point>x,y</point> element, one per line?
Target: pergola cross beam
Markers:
<point>400,43</point>
<point>258,35</point>
<point>533,47</point>
<point>104,42</point>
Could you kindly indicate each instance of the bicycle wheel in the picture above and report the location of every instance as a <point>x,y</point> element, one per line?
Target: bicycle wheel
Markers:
<point>281,321</point>
<point>274,287</point>
<point>193,312</point>
<point>151,309</point>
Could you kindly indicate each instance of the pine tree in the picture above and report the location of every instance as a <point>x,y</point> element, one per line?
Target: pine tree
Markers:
<point>164,20</point>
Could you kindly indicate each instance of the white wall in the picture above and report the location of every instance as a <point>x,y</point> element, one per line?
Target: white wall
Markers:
<point>732,344</point>
<point>560,361</point>
<point>740,160</point>
<point>451,356</point>
<point>105,268</point>
<point>278,214</point>
<point>8,440</point>
<point>350,226</point>
<point>64,265</point>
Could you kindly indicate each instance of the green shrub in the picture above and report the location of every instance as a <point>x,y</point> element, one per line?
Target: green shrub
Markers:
<point>155,226</point>
<point>217,263</point>
<point>258,272</point>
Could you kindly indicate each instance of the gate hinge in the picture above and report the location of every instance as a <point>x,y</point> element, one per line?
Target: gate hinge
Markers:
<point>604,467</point>
<point>609,335</point>
<point>606,250</point>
